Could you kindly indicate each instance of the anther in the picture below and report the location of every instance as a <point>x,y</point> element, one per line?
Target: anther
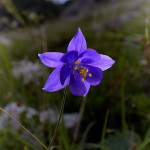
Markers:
<point>77,62</point>
<point>75,68</point>
<point>83,79</point>
<point>90,75</point>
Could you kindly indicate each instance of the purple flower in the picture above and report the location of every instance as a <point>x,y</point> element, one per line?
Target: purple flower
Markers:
<point>79,67</point>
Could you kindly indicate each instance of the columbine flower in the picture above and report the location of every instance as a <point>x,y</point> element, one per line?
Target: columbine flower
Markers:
<point>79,67</point>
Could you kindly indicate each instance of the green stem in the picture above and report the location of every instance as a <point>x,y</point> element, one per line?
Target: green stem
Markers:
<point>42,144</point>
<point>60,116</point>
<point>104,129</point>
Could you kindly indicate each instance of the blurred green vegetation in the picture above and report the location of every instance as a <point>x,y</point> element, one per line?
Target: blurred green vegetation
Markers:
<point>113,29</point>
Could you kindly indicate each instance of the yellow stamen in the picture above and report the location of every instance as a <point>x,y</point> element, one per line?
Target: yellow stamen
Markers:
<point>90,75</point>
<point>75,68</point>
<point>81,70</point>
<point>77,62</point>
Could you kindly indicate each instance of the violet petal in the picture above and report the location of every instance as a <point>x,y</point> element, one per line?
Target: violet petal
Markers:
<point>65,72</point>
<point>53,83</point>
<point>89,56</point>
<point>70,57</point>
<point>76,86</point>
<point>94,75</point>
<point>104,63</point>
<point>87,85</point>
<point>78,42</point>
<point>51,59</point>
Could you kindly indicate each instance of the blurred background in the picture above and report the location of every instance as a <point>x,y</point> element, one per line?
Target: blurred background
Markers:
<point>115,115</point>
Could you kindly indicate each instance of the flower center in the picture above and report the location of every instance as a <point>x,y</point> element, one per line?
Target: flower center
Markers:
<point>78,69</point>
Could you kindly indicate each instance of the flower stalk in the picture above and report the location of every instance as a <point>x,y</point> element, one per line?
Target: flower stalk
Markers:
<point>60,116</point>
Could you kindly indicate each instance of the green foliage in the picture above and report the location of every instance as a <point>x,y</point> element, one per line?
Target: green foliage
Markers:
<point>123,141</point>
<point>124,88</point>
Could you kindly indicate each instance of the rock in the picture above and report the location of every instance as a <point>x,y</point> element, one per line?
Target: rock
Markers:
<point>77,8</point>
<point>117,22</point>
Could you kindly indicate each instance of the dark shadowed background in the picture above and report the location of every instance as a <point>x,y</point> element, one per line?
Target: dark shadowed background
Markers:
<point>116,114</point>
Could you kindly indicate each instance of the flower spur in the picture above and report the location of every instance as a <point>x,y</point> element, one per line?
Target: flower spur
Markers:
<point>79,67</point>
